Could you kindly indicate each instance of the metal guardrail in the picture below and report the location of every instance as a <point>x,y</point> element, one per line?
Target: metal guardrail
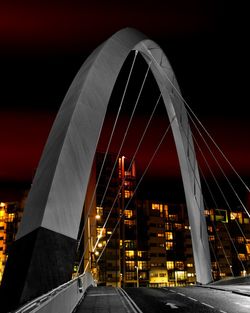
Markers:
<point>62,299</point>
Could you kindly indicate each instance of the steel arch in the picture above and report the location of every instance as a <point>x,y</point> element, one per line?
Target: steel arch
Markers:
<point>54,205</point>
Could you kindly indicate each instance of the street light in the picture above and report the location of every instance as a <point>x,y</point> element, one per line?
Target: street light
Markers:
<point>137,276</point>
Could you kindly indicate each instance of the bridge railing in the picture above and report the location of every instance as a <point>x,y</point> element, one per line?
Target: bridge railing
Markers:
<point>62,299</point>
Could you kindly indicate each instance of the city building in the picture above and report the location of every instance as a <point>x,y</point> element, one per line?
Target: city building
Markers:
<point>10,216</point>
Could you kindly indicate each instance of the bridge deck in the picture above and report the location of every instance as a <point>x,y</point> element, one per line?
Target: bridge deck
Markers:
<point>102,299</point>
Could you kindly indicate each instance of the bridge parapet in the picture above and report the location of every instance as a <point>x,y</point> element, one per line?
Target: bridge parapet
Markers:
<point>62,299</point>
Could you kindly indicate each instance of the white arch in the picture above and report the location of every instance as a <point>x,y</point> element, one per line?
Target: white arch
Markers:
<point>58,191</point>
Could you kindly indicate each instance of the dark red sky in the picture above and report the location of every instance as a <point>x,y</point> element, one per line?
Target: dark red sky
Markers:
<point>44,44</point>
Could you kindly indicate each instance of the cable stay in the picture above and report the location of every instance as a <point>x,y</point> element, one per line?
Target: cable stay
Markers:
<point>108,146</point>
<point>114,166</point>
<point>214,157</point>
<point>205,159</point>
<point>206,131</point>
<point>138,184</point>
<point>217,208</point>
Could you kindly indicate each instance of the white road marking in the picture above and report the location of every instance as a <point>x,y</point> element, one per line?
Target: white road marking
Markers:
<point>223,311</point>
<point>172,305</point>
<point>181,294</point>
<point>192,299</point>
<point>102,294</point>
<point>210,306</point>
<point>172,290</point>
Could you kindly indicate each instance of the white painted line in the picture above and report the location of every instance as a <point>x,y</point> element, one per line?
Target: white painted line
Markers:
<point>210,306</point>
<point>181,294</point>
<point>172,305</point>
<point>223,311</point>
<point>192,299</point>
<point>101,294</point>
<point>171,290</point>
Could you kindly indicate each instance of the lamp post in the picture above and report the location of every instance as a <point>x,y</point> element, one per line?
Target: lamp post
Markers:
<point>137,276</point>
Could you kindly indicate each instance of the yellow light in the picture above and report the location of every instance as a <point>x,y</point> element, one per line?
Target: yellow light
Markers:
<point>2,204</point>
<point>97,216</point>
<point>96,252</point>
<point>99,245</point>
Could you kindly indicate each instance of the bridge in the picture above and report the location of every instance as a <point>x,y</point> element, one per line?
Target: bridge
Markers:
<point>70,182</point>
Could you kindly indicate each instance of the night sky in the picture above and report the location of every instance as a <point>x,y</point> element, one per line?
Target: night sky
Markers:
<point>43,45</point>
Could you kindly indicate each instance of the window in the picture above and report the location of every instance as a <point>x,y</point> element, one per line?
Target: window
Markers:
<point>142,265</point>
<point>130,254</point>
<point>99,210</point>
<point>190,265</point>
<point>179,265</point>
<point>129,222</point>
<point>130,275</point>
<point>130,265</point>
<point>128,193</point>
<point>211,238</point>
<point>168,235</point>
<point>160,235</point>
<point>169,245</point>
<point>128,213</point>
<point>170,265</point>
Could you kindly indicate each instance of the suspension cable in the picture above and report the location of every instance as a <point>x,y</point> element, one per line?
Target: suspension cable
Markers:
<point>108,146</point>
<point>217,206</point>
<point>206,131</point>
<point>213,198</point>
<point>218,186</point>
<point>138,184</point>
<point>130,166</point>
<point>121,146</point>
<point>211,152</point>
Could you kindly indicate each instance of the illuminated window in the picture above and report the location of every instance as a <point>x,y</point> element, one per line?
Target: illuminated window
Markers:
<point>155,206</point>
<point>11,217</point>
<point>173,217</point>
<point>166,210</point>
<point>246,220</point>
<point>128,213</point>
<point>180,275</point>
<point>168,226</point>
<point>99,210</point>
<point>190,274</point>
<point>178,226</point>
<point>160,234</point>
<point>234,215</point>
<point>221,216</point>
<point>210,229</point>
<point>130,275</point>
<point>130,265</point>
<point>142,265</point>
<point>168,235</point>
<point>130,254</point>
<point>248,248</point>
<point>129,222</point>
<point>128,193</point>
<point>100,232</point>
<point>170,265</point>
<point>179,265</point>
<point>211,238</point>
<point>169,245</point>
<point>190,265</point>
<point>242,256</point>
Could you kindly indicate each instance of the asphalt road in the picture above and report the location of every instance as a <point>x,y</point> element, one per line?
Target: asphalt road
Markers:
<point>188,299</point>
